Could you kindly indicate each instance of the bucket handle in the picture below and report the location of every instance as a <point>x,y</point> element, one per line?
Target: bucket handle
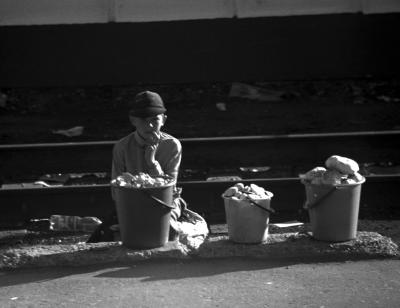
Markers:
<point>158,200</point>
<point>317,202</point>
<point>269,210</point>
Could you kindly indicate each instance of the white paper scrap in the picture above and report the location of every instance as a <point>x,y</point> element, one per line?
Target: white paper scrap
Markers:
<point>288,224</point>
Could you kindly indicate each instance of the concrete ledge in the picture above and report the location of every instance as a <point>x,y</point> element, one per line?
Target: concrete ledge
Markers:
<point>83,254</point>
<point>298,246</point>
<point>302,246</point>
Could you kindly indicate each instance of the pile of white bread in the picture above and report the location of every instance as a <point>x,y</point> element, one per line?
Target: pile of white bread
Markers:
<point>141,180</point>
<point>339,170</point>
<point>253,192</point>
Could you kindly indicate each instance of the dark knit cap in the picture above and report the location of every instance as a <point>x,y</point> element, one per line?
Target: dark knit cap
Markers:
<point>146,104</point>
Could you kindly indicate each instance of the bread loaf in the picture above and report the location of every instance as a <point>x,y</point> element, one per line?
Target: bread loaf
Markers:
<point>342,164</point>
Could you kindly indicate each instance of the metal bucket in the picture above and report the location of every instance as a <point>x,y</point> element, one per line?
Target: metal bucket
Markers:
<point>144,215</point>
<point>247,220</point>
<point>333,210</point>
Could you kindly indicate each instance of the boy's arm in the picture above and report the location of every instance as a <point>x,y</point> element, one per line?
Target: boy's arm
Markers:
<point>174,160</point>
<point>152,163</point>
<point>168,159</point>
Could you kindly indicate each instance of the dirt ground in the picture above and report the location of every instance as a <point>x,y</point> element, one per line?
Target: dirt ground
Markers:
<point>203,110</point>
<point>40,235</point>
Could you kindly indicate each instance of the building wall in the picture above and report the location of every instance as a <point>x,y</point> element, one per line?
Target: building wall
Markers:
<point>44,12</point>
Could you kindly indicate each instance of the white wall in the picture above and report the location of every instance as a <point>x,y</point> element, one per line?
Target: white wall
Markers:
<point>38,12</point>
<point>32,12</point>
<point>156,10</point>
<point>257,8</point>
<point>380,6</point>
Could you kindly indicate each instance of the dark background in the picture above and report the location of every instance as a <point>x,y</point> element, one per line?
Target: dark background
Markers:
<point>332,73</point>
<point>339,46</point>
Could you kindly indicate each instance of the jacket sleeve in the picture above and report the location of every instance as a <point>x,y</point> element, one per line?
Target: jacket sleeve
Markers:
<point>173,163</point>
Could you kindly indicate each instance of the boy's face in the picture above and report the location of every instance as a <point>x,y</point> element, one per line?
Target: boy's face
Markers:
<point>147,127</point>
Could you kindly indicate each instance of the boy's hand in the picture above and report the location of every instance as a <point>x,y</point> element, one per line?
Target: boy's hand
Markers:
<point>153,139</point>
<point>151,148</point>
<point>150,154</point>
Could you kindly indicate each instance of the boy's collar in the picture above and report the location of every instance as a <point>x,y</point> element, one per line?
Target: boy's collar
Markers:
<point>139,139</point>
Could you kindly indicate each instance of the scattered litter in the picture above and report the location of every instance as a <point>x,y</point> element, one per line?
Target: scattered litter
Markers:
<point>288,224</point>
<point>73,223</point>
<point>359,101</point>
<point>255,169</point>
<point>38,184</point>
<point>388,168</point>
<point>221,106</point>
<point>356,90</point>
<point>388,99</point>
<point>43,184</point>
<point>358,94</point>
<point>3,100</point>
<point>71,132</point>
<point>193,174</point>
<point>99,175</point>
<point>224,178</point>
<point>14,298</point>
<point>61,179</point>
<point>58,178</point>
<point>255,93</point>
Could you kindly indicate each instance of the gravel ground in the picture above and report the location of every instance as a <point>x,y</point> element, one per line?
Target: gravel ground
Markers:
<point>203,110</point>
<point>21,248</point>
<point>25,238</point>
<point>284,246</point>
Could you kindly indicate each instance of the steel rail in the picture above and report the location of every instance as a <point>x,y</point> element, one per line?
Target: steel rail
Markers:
<point>299,151</point>
<point>209,139</point>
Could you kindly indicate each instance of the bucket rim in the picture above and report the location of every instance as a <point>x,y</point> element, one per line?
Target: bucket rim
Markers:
<point>142,188</point>
<point>337,185</point>
<point>224,197</point>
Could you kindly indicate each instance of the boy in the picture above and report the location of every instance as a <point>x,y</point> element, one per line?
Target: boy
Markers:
<point>147,150</point>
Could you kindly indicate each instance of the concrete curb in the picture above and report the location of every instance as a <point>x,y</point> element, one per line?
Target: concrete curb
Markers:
<point>302,246</point>
<point>293,246</point>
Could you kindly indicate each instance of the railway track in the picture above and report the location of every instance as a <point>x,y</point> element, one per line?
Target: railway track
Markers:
<point>379,200</point>
<point>218,157</point>
<point>298,152</point>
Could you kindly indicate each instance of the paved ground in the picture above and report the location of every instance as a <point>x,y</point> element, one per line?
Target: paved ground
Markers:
<point>232,282</point>
<point>290,270</point>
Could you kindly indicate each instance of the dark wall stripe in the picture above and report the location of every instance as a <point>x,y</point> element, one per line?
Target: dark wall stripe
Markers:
<point>274,48</point>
